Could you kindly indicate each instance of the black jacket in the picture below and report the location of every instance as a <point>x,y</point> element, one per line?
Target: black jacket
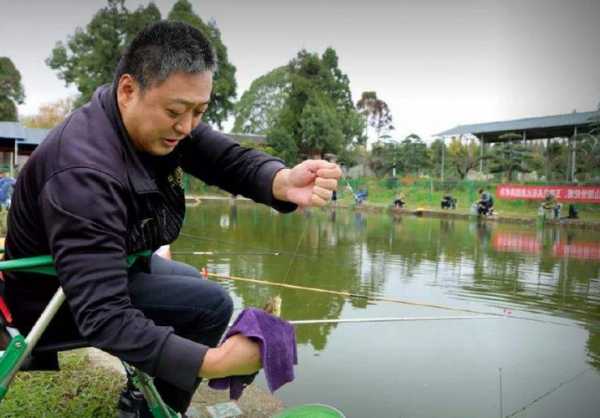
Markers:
<point>88,198</point>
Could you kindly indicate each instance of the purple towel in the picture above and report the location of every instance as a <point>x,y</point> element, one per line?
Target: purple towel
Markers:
<point>277,341</point>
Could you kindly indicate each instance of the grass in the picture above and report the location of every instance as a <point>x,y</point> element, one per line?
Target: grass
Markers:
<point>426,195</point>
<point>79,390</point>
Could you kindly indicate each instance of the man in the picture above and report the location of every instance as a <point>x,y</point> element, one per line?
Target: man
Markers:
<point>107,183</point>
<point>485,206</point>
<point>7,184</point>
<point>399,200</point>
<point>448,202</point>
<point>361,196</point>
<point>551,205</point>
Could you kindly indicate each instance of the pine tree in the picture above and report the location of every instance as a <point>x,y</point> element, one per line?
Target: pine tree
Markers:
<point>89,57</point>
<point>224,83</point>
<point>11,90</point>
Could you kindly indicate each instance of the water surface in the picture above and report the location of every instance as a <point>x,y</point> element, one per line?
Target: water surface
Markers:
<point>539,357</point>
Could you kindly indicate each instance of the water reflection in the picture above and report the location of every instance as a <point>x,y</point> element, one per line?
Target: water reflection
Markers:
<point>486,266</point>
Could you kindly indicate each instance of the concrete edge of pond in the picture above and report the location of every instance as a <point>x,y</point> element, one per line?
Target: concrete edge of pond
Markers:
<point>254,403</point>
<point>194,200</point>
<point>450,214</point>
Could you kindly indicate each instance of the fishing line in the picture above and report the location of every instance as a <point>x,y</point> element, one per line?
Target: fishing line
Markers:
<point>295,252</point>
<point>501,393</point>
<point>548,393</point>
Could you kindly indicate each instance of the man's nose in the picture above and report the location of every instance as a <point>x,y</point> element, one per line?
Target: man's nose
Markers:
<point>185,125</point>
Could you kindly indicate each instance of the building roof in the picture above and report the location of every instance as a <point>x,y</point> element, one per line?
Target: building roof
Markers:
<point>239,137</point>
<point>34,136</point>
<point>17,132</point>
<point>534,128</point>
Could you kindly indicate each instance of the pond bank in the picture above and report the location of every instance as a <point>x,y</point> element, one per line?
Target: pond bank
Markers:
<point>254,403</point>
<point>194,200</point>
<point>452,214</point>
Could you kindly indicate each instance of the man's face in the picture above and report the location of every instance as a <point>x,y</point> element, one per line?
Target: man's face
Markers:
<point>161,116</point>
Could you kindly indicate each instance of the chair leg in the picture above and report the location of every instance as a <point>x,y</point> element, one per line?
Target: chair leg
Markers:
<point>145,384</point>
<point>19,347</point>
<point>11,362</point>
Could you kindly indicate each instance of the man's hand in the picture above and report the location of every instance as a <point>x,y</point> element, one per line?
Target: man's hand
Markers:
<point>310,183</point>
<point>237,356</point>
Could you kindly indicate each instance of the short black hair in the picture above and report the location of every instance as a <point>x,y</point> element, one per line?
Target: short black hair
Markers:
<point>164,48</point>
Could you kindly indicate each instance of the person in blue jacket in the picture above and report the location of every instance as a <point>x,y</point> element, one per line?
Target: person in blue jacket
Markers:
<point>7,184</point>
<point>107,182</point>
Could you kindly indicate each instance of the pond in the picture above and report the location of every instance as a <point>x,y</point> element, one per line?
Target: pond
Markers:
<point>527,342</point>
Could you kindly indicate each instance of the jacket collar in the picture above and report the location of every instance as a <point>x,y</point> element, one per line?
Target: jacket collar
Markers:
<point>138,175</point>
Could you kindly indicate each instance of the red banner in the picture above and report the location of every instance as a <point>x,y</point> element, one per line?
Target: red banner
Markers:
<point>581,250</point>
<point>581,194</point>
<point>528,243</point>
<point>516,242</point>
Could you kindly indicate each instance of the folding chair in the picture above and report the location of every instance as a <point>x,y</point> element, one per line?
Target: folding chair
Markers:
<point>19,348</point>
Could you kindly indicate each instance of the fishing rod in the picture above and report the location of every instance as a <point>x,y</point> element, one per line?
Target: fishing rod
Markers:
<point>280,252</point>
<point>387,319</point>
<point>275,253</point>
<point>349,186</point>
<point>217,276</point>
<point>222,253</point>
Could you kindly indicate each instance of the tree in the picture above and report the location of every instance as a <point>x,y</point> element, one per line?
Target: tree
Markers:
<point>408,157</point>
<point>317,115</point>
<point>463,157</point>
<point>588,156</point>
<point>260,105</point>
<point>376,112</point>
<point>595,123</point>
<point>224,83</point>
<point>282,141</point>
<point>436,150</point>
<point>50,114</point>
<point>139,19</point>
<point>90,56</point>
<point>260,146</point>
<point>11,90</point>
<point>557,155</point>
<point>385,156</point>
<point>416,158</point>
<point>321,128</point>
<point>588,150</point>
<point>510,158</point>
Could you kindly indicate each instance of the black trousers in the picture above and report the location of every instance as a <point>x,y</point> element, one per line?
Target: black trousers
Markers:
<point>175,294</point>
<point>168,292</point>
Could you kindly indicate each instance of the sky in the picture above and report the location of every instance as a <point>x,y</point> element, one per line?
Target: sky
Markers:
<point>436,63</point>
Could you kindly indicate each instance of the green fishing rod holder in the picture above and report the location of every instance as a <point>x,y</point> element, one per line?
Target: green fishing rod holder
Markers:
<point>19,347</point>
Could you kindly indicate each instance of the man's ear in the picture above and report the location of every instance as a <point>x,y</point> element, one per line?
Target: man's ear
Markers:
<point>126,90</point>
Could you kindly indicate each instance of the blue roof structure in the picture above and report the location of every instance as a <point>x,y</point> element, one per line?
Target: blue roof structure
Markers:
<point>24,136</point>
<point>534,128</point>
<point>34,136</point>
